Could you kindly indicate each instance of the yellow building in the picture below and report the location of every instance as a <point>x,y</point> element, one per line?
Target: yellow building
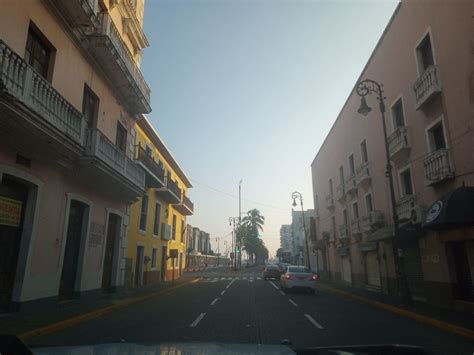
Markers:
<point>157,229</point>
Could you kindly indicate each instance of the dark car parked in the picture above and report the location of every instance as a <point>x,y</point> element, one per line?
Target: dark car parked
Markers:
<point>271,272</point>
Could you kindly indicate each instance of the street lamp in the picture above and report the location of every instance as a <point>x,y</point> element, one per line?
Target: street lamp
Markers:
<point>297,195</point>
<point>364,88</point>
<point>232,222</point>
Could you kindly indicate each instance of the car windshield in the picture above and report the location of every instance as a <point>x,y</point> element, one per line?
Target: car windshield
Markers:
<point>237,171</point>
<point>297,269</point>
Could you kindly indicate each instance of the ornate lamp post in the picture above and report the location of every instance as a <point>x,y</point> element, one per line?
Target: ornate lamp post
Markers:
<point>364,88</point>
<point>232,222</point>
<point>297,195</point>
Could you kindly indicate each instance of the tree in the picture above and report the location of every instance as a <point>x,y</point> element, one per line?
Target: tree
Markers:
<point>249,233</point>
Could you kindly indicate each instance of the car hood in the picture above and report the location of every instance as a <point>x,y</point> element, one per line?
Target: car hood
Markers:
<point>171,348</point>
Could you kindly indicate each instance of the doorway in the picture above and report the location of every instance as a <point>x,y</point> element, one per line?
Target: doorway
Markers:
<point>13,198</point>
<point>463,263</point>
<point>139,266</point>
<point>180,263</point>
<point>113,233</point>
<point>75,232</point>
<point>163,263</point>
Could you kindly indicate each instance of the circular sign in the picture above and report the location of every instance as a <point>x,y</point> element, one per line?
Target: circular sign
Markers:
<point>434,211</point>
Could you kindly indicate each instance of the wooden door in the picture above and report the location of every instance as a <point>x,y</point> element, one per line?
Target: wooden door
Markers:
<point>13,196</point>
<point>113,229</point>
<point>71,251</point>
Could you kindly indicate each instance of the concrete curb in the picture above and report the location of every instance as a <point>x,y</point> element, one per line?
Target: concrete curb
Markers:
<point>448,327</point>
<point>66,323</point>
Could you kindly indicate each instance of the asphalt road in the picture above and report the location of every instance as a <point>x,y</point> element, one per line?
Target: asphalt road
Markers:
<point>243,308</point>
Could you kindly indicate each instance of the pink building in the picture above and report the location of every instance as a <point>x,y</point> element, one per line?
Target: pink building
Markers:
<point>70,89</point>
<point>426,63</point>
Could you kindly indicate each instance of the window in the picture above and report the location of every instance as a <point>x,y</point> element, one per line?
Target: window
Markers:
<point>121,137</point>
<point>133,142</point>
<point>90,107</point>
<point>355,210</point>
<point>406,186</point>
<point>346,216</point>
<point>424,53</point>
<point>397,114</point>
<point>148,150</point>
<point>174,227</point>
<point>156,224</point>
<point>436,137</point>
<point>153,258</point>
<point>351,165</point>
<point>341,175</point>
<point>368,203</point>
<point>143,213</point>
<point>38,53</point>
<point>333,223</point>
<point>182,231</point>
<point>331,189</point>
<point>363,151</point>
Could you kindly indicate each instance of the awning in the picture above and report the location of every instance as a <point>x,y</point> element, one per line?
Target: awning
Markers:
<point>453,210</point>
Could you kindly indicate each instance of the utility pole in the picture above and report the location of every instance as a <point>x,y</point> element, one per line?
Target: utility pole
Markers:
<point>240,222</point>
<point>218,250</point>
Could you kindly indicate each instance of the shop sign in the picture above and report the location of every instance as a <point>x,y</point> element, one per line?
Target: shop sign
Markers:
<point>10,212</point>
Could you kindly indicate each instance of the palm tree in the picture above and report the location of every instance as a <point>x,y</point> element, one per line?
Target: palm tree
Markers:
<point>254,219</point>
<point>253,223</point>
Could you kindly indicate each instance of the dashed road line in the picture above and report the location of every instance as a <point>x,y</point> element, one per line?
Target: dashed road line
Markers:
<point>230,283</point>
<point>222,293</point>
<point>283,293</point>
<point>214,302</point>
<point>311,319</point>
<point>292,302</point>
<point>237,278</point>
<point>197,320</point>
<point>271,282</point>
<point>259,278</point>
<point>229,278</point>
<point>244,278</point>
<point>222,278</point>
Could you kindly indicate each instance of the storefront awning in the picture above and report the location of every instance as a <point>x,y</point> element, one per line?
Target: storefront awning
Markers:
<point>453,210</point>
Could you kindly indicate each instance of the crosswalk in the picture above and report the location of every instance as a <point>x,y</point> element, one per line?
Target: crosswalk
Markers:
<point>222,278</point>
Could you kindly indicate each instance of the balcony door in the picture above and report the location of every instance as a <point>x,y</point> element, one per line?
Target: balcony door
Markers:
<point>121,137</point>
<point>113,234</point>
<point>90,107</point>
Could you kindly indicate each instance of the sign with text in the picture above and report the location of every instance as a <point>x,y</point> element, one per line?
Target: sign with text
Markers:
<point>10,212</point>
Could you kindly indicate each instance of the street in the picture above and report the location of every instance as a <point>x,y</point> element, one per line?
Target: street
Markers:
<point>240,307</point>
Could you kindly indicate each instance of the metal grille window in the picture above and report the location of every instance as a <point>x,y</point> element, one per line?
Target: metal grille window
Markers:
<point>143,213</point>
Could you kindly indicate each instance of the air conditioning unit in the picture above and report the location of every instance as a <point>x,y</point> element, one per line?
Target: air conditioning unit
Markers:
<point>417,215</point>
<point>165,231</point>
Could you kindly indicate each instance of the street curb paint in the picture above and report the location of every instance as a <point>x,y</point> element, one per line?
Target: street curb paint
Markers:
<point>66,323</point>
<point>448,327</point>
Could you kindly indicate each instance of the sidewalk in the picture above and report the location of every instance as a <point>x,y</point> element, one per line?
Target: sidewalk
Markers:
<point>79,310</point>
<point>420,311</point>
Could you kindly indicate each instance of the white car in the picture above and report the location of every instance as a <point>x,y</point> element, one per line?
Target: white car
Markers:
<point>298,277</point>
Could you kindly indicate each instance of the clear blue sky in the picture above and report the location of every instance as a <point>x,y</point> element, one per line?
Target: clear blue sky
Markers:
<point>249,90</point>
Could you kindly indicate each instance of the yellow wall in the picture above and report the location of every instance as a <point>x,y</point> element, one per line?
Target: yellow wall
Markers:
<point>147,238</point>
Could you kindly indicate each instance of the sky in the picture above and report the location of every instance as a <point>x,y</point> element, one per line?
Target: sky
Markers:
<point>248,90</point>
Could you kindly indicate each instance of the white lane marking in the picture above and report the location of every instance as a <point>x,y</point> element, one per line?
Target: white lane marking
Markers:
<point>222,278</point>
<point>283,293</point>
<point>197,320</point>
<point>271,282</point>
<point>292,302</point>
<point>222,292</point>
<point>214,302</point>
<point>250,280</point>
<point>230,283</point>
<point>229,278</point>
<point>316,324</point>
<point>259,278</point>
<point>244,278</point>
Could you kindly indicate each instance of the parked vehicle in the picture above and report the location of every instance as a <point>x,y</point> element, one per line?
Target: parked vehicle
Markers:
<point>298,277</point>
<point>271,272</point>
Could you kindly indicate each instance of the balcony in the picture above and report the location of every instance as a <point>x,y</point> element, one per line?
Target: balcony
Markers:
<point>427,86</point>
<point>116,60</point>
<point>438,167</point>
<point>109,167</point>
<point>351,185</point>
<point>171,193</point>
<point>355,227</point>
<point>77,12</point>
<point>30,105</point>
<point>363,174</point>
<point>185,207</point>
<point>340,192</point>
<point>372,221</point>
<point>408,210</point>
<point>329,201</point>
<point>154,173</point>
<point>398,146</point>
<point>344,231</point>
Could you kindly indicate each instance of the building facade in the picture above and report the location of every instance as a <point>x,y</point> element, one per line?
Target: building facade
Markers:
<point>286,238</point>
<point>428,87</point>
<point>157,235</point>
<point>70,92</point>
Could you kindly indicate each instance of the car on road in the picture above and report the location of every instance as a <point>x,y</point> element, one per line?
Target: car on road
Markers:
<point>283,267</point>
<point>298,277</point>
<point>271,272</point>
